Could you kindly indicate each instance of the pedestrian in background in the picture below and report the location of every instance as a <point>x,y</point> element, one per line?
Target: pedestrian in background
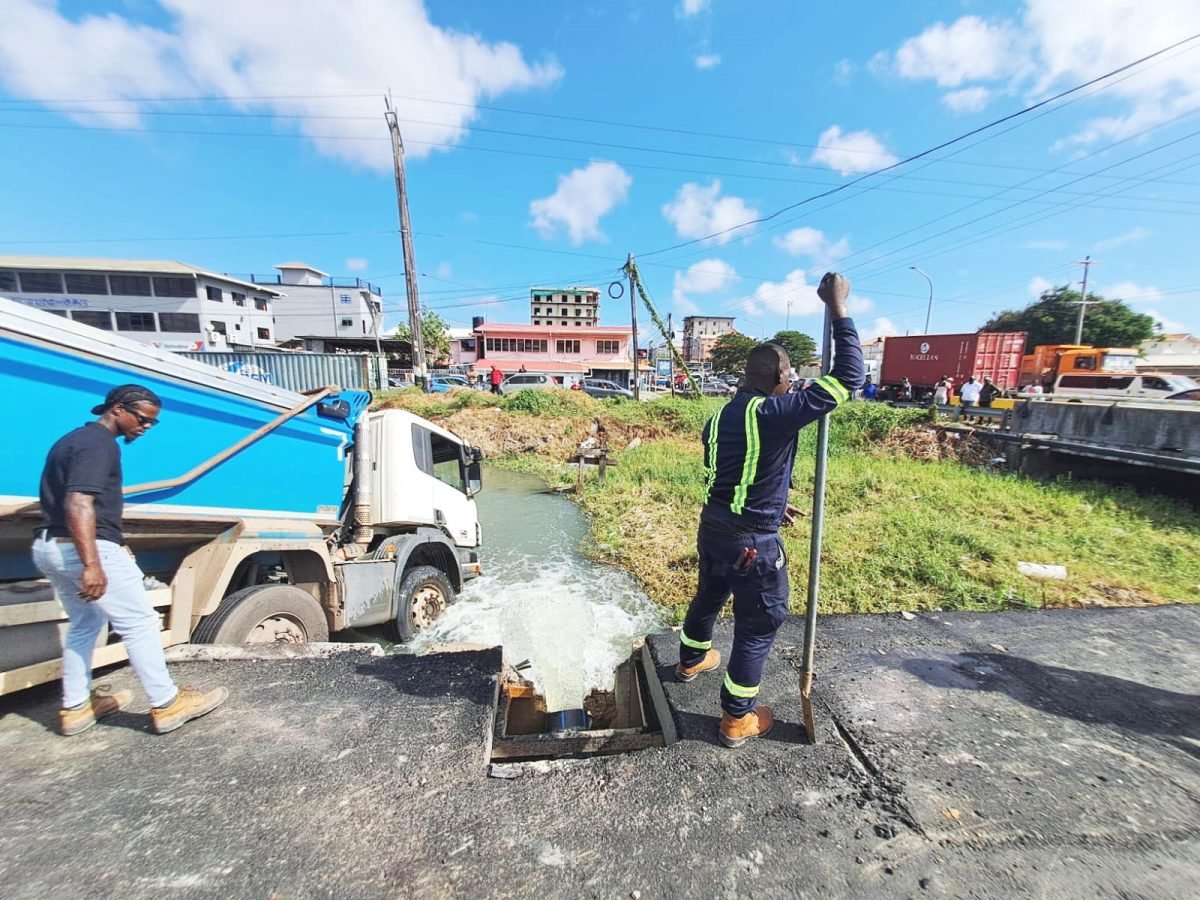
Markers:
<point>941,391</point>
<point>497,377</point>
<point>970,393</point>
<point>80,549</point>
<point>988,392</point>
<point>749,454</point>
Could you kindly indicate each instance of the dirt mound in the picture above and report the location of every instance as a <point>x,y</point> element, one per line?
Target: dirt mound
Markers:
<point>499,433</point>
<point>937,443</point>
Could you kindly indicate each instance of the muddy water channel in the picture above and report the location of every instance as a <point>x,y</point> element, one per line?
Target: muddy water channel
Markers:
<point>573,620</point>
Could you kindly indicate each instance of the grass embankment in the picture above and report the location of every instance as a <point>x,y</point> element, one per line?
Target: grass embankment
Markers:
<point>908,525</point>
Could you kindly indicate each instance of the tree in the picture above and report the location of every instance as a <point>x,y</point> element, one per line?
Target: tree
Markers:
<point>730,352</point>
<point>434,330</point>
<point>801,349</point>
<point>1052,319</point>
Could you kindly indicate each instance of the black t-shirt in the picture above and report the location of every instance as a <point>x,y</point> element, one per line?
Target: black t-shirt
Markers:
<point>86,460</point>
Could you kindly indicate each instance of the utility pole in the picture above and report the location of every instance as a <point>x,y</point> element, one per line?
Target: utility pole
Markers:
<point>671,356</point>
<point>637,394</point>
<point>787,322</point>
<point>929,305</point>
<point>1087,262</point>
<point>410,266</point>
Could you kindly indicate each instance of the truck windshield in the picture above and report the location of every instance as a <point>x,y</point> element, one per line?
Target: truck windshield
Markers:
<point>1118,362</point>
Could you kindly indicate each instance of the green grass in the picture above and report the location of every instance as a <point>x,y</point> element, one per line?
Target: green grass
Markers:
<point>900,534</point>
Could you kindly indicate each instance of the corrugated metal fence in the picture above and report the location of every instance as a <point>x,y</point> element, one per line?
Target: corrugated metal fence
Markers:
<point>302,371</point>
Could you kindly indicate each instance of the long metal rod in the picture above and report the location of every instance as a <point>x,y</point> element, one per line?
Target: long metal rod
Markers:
<point>814,551</point>
<point>637,394</point>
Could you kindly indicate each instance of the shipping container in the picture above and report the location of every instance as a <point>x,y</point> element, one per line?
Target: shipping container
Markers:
<point>924,359</point>
<point>302,371</point>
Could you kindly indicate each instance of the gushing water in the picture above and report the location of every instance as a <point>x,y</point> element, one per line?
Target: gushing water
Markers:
<point>573,620</point>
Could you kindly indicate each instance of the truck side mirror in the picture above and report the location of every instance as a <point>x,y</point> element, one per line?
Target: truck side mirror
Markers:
<point>474,477</point>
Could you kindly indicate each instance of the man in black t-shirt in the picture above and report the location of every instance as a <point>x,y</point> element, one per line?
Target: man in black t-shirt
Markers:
<point>80,549</point>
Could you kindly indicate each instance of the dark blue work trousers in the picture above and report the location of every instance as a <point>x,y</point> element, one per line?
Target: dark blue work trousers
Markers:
<point>760,603</point>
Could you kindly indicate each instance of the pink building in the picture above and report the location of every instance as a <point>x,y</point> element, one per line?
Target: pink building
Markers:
<point>568,353</point>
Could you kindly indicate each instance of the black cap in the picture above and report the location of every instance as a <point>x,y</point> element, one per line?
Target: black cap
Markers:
<point>124,395</point>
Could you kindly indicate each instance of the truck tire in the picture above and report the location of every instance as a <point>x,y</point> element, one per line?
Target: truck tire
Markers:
<point>264,614</point>
<point>423,595</point>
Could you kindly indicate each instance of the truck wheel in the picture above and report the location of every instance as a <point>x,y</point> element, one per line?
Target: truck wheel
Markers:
<point>423,595</point>
<point>264,614</point>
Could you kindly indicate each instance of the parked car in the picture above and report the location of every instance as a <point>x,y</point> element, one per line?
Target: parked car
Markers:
<point>1192,394</point>
<point>715,387</point>
<point>443,384</point>
<point>526,381</point>
<point>598,388</point>
<point>1122,385</point>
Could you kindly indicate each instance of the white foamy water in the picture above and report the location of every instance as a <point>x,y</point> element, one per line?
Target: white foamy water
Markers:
<point>574,620</point>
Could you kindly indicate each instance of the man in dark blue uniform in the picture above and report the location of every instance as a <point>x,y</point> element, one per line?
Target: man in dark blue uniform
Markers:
<point>749,453</point>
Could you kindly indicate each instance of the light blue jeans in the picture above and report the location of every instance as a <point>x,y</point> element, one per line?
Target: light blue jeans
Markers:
<point>124,605</point>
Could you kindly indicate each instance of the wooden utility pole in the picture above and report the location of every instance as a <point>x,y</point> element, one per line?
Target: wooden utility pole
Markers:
<point>671,356</point>
<point>410,265</point>
<point>637,394</point>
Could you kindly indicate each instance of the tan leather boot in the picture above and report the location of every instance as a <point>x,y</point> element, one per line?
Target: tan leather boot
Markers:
<point>190,703</point>
<point>756,723</point>
<point>710,661</point>
<point>81,718</point>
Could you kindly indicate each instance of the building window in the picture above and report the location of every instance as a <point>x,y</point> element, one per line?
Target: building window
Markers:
<point>56,312</point>
<point>238,299</point>
<point>344,298</point>
<point>94,317</point>
<point>218,327</point>
<point>8,280</point>
<point>536,322</point>
<point>130,285</point>
<point>214,293</point>
<point>608,348</point>
<point>537,311</point>
<point>577,325</point>
<point>179,322</point>
<point>564,312</point>
<point>264,334</point>
<point>174,286</point>
<point>260,304</point>
<point>567,346</point>
<point>347,323</point>
<point>42,282</point>
<point>86,284</point>
<point>578,311</point>
<point>136,321</point>
<point>579,298</point>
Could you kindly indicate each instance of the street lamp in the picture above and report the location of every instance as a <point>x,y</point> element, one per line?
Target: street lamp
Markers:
<point>929,307</point>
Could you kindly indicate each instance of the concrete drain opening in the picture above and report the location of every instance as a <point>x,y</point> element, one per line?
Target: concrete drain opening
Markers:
<point>624,719</point>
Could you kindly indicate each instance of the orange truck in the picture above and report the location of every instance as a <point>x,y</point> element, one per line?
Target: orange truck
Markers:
<point>1048,361</point>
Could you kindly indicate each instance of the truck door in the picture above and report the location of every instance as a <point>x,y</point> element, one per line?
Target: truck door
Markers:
<point>441,458</point>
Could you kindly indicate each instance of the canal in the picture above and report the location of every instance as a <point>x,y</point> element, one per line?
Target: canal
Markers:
<point>572,619</point>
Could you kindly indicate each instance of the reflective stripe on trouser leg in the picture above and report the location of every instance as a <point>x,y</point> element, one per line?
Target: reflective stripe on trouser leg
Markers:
<point>694,645</point>
<point>741,691</point>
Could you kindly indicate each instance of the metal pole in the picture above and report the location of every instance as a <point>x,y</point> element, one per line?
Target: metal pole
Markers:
<point>928,306</point>
<point>814,551</point>
<point>671,356</point>
<point>417,337</point>
<point>637,394</point>
<point>1086,262</point>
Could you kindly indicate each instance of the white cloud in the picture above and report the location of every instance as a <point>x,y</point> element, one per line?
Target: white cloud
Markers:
<point>774,296</point>
<point>314,57</point>
<point>971,49</point>
<point>881,327</point>
<point>708,60</point>
<point>697,212</point>
<point>584,196</point>
<point>967,100</point>
<point>1133,234</point>
<point>705,277</point>
<point>1039,286</point>
<point>1051,44</point>
<point>847,154</point>
<point>813,243</point>
<point>843,72</point>
<point>1131,292</point>
<point>444,270</point>
<point>695,7</point>
<point>859,304</point>
<point>356,264</point>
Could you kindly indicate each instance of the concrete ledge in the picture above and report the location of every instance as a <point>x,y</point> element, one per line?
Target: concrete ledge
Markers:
<point>223,652</point>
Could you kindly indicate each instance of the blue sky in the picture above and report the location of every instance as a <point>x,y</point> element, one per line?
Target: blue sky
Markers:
<point>547,140</point>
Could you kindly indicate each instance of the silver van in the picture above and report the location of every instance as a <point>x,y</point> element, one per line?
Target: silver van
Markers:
<point>1121,386</point>
<point>526,381</point>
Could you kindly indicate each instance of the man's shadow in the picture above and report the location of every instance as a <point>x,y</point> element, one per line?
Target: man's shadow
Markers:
<point>1087,697</point>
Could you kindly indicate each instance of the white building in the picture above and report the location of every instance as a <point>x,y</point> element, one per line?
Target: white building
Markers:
<point>166,304</point>
<point>316,304</point>
<point>566,307</point>
<point>1178,353</point>
<point>701,333</point>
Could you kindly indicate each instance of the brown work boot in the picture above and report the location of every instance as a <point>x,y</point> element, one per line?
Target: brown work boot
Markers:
<point>756,723</point>
<point>190,703</point>
<point>710,661</point>
<point>82,717</point>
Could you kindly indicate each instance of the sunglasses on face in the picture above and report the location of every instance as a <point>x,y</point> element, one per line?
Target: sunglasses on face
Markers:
<point>144,421</point>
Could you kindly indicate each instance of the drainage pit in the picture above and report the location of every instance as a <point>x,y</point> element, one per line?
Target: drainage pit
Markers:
<point>622,720</point>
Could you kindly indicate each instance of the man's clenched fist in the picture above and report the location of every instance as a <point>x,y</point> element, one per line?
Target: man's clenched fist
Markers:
<point>834,291</point>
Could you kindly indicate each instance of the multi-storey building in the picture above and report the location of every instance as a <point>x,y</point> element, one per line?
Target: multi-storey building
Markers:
<point>700,333</point>
<point>316,304</point>
<point>166,304</point>
<point>568,307</point>
<point>558,350</point>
